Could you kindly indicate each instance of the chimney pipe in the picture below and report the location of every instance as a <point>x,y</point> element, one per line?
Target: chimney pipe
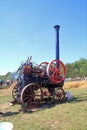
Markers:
<point>57,41</point>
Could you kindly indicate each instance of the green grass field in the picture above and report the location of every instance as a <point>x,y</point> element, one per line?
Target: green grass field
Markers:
<point>66,116</point>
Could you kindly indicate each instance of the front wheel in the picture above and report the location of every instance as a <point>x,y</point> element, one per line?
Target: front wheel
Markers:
<point>59,94</point>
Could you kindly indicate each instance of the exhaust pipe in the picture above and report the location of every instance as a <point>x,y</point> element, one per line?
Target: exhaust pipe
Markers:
<point>57,41</point>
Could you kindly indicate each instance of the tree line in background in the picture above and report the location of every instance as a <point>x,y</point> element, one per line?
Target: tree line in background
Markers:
<point>76,69</point>
<point>8,76</point>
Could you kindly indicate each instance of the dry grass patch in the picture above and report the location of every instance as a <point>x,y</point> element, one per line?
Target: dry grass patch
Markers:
<point>76,84</point>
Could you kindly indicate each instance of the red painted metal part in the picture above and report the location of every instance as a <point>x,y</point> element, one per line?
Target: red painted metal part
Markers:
<point>56,71</point>
<point>43,64</point>
<point>43,67</point>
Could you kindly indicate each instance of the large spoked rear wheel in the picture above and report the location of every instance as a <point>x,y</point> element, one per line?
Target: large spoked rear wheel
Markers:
<point>32,94</point>
<point>59,95</point>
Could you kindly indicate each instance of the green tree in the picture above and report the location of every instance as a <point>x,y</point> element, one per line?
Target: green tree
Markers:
<point>77,69</point>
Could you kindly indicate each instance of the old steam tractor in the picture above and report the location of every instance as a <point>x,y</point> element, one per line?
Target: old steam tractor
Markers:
<point>40,83</point>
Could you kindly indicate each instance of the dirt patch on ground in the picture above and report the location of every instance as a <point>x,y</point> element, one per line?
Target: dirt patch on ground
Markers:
<point>5,106</point>
<point>76,84</point>
<point>5,92</point>
<point>8,90</point>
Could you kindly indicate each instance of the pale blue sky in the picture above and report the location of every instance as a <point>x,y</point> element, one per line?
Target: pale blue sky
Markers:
<point>26,29</point>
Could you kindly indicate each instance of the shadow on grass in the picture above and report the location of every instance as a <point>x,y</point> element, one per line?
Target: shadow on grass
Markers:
<point>79,99</point>
<point>44,106</point>
<point>9,114</point>
<point>39,108</point>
